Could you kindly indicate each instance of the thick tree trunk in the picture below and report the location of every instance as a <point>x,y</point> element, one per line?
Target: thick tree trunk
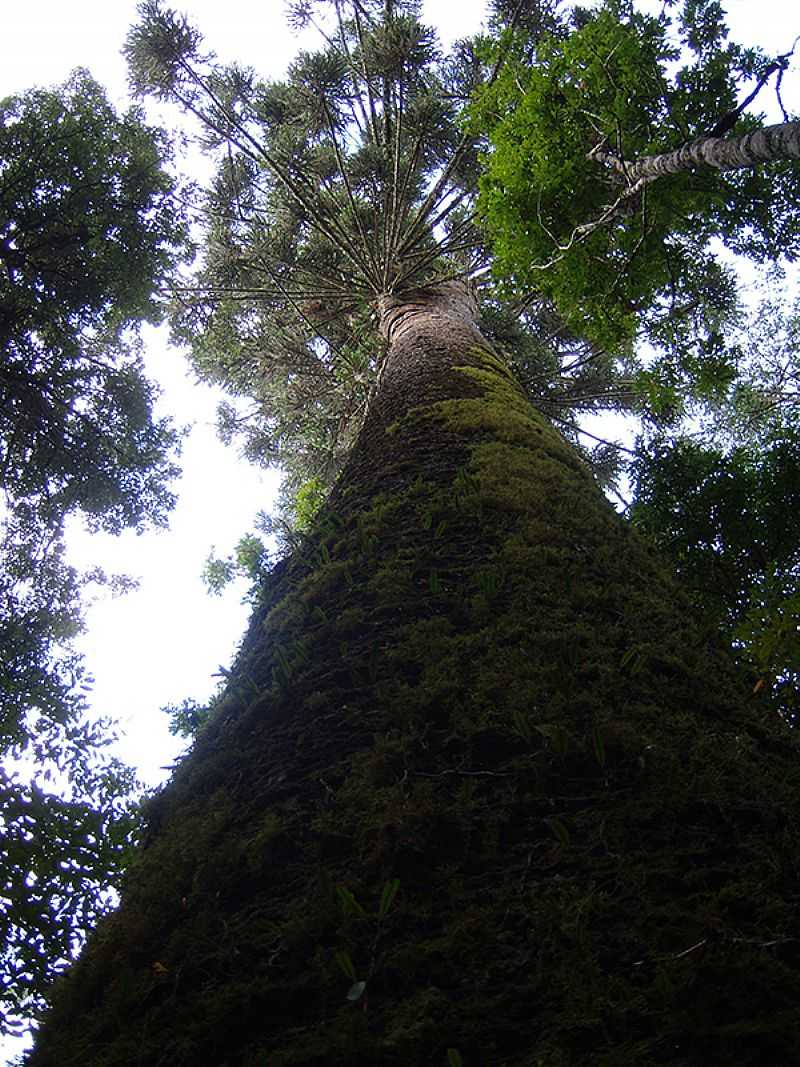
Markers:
<point>478,783</point>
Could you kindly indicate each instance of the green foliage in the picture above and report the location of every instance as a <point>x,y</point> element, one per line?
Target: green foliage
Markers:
<point>218,573</point>
<point>727,519</point>
<point>769,635</point>
<point>247,561</point>
<point>87,225</point>
<point>568,226</point>
<point>307,502</point>
<point>88,232</point>
<point>70,818</point>
<point>187,718</point>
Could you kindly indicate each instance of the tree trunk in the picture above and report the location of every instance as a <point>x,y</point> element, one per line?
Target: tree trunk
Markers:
<point>478,783</point>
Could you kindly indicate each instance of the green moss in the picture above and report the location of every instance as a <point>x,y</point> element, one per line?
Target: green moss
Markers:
<point>483,685</point>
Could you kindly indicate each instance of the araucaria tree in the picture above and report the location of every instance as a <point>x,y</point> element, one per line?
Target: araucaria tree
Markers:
<point>479,790</point>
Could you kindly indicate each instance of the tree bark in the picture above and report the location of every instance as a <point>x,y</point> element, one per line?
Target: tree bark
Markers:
<point>769,144</point>
<point>478,783</point>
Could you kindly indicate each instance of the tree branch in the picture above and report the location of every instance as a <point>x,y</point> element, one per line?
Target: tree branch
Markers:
<point>769,144</point>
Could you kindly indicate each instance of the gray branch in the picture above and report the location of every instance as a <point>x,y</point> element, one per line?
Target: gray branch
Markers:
<point>770,144</point>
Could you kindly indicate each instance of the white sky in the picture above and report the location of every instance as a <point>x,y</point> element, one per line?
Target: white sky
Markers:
<point>164,642</point>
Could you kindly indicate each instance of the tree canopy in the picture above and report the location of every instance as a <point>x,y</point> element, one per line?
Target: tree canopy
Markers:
<point>353,176</point>
<point>717,491</point>
<point>89,231</point>
<point>725,518</point>
<point>586,196</point>
<point>360,172</point>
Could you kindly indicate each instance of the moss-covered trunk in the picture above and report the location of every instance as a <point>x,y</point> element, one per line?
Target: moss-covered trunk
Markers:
<point>478,784</point>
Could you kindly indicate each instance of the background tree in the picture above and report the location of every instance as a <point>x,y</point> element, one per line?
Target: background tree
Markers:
<point>717,490</point>
<point>89,230</point>
<point>591,108</point>
<point>479,786</point>
<point>726,519</point>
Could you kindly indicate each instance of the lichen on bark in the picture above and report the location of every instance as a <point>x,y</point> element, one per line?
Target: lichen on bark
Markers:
<point>476,685</point>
